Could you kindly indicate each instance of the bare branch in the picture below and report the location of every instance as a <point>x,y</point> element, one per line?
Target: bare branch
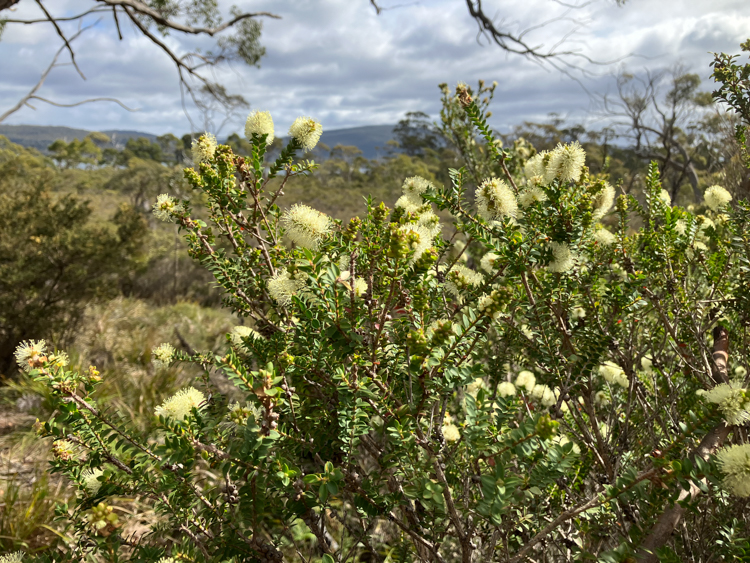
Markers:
<point>179,62</point>
<point>669,519</point>
<point>87,101</point>
<point>117,22</point>
<point>593,502</point>
<point>32,95</point>
<point>62,36</point>
<point>94,10</point>
<point>143,9</point>
<point>142,15</point>
<point>42,78</point>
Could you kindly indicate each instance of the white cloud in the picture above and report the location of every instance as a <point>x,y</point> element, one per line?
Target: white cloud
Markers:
<point>340,62</point>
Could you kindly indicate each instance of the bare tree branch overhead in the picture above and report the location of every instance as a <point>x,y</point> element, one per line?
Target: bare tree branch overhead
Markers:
<point>154,20</point>
<point>32,94</point>
<point>501,34</point>
<point>660,114</point>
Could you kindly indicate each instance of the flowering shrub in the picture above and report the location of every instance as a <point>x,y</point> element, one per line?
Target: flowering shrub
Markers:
<point>517,382</point>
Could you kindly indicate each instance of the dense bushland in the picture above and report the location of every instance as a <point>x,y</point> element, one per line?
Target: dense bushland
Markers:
<point>500,366</point>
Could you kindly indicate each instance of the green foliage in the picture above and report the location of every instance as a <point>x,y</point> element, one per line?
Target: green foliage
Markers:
<point>244,43</point>
<point>76,153</point>
<point>48,248</point>
<point>415,133</point>
<point>734,88</point>
<point>519,385</point>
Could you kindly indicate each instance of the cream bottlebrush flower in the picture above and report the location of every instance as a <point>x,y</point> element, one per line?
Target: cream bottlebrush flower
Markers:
<point>604,237</point>
<point>166,208</point>
<point>506,389</point>
<point>487,302</point>
<point>538,391</point>
<point>717,197</point>
<point>30,352</point>
<point>601,399</point>
<point>90,479</point>
<point>647,363</point>
<point>415,186</point>
<point>451,433</point>
<point>562,257</point>
<point>535,168</point>
<point>696,245</point>
<point>666,198</point>
<point>734,462</point>
<point>548,397</point>
<point>614,374</point>
<point>167,560</point>
<point>680,226</point>
<point>306,226</point>
<point>526,380</point>
<point>307,131</point>
<point>740,372</point>
<point>603,201</point>
<point>15,557</point>
<point>577,313</point>
<point>424,242</point>
<point>240,333</point>
<point>259,123</point>
<point>181,404</point>
<point>487,263</point>
<point>566,162</point>
<point>282,287</point>
<point>450,430</point>
<point>162,356</point>
<point>360,287</point>
<point>460,278</point>
<point>609,371</point>
<point>474,387</point>
<point>705,223</point>
<point>495,200</point>
<point>59,359</point>
<point>732,400</point>
<point>527,332</point>
<point>408,204</point>
<point>204,148</point>
<point>431,222</point>
<point>531,195</point>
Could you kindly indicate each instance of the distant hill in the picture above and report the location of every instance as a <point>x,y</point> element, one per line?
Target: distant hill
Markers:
<point>371,139</point>
<point>42,136</point>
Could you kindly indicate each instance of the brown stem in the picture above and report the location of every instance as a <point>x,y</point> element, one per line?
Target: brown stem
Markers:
<point>667,522</point>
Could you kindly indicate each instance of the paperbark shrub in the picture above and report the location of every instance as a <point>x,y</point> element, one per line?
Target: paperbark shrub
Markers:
<point>524,384</point>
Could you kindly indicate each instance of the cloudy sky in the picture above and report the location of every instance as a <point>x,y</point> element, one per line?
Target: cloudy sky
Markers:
<point>338,61</point>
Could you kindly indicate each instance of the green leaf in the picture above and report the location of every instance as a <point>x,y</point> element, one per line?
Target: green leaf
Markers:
<point>323,493</point>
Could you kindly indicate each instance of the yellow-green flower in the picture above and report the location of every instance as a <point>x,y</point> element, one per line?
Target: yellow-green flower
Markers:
<point>307,131</point>
<point>181,404</point>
